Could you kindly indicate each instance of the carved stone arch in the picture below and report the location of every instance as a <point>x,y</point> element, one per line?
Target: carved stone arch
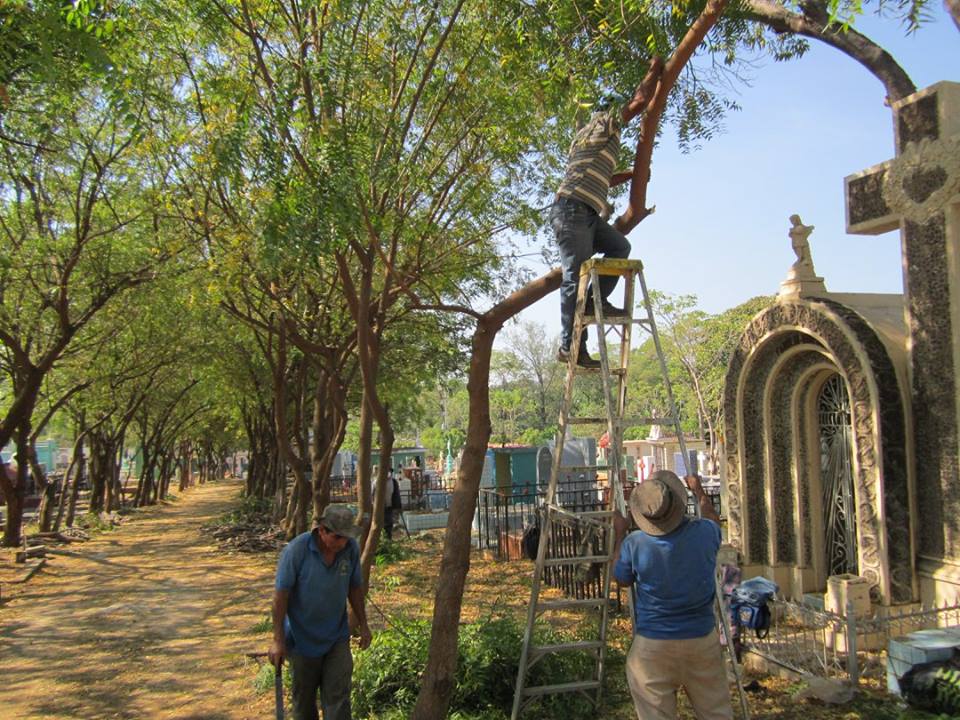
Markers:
<point>789,500</point>
<point>755,443</point>
<point>754,483</point>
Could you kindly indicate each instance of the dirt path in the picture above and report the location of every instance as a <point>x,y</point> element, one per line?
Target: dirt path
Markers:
<point>148,621</point>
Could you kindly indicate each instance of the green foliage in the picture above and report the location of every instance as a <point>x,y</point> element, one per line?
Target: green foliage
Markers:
<point>95,523</point>
<point>536,437</point>
<point>263,682</point>
<point>264,625</point>
<point>387,675</point>
<point>390,551</point>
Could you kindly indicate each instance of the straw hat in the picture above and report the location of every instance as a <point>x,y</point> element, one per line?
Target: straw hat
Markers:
<point>659,503</point>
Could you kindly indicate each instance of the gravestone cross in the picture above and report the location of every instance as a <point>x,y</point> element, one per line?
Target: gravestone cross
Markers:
<point>919,193</point>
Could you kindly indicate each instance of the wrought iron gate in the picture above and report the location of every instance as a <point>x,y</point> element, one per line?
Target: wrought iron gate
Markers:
<point>836,471</point>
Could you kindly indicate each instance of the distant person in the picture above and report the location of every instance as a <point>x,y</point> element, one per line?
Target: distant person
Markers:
<point>670,564</point>
<point>578,215</point>
<point>318,573</point>
<point>393,506</point>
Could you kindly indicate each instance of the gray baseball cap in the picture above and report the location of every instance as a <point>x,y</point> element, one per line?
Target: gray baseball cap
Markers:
<point>338,519</point>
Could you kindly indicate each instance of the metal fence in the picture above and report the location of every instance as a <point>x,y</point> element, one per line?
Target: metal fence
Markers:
<point>431,494</point>
<point>503,514</point>
<point>809,640</point>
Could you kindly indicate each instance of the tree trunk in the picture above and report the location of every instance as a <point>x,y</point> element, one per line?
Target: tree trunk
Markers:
<point>114,493</point>
<point>300,499</point>
<point>46,488</point>
<point>433,701</point>
<point>329,428</point>
<point>184,466</point>
<point>98,472</point>
<point>365,471</point>
<point>26,386</point>
<point>372,540</point>
<point>15,491</point>
<point>81,475</point>
<point>69,480</point>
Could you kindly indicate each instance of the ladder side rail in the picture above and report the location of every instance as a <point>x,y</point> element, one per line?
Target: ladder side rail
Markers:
<point>614,431</point>
<point>627,338</point>
<point>550,500</point>
<point>674,414</point>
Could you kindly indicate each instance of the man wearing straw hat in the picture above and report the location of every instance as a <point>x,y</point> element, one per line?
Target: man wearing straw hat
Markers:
<point>670,564</point>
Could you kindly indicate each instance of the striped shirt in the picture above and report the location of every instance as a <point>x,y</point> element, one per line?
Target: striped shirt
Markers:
<point>593,158</point>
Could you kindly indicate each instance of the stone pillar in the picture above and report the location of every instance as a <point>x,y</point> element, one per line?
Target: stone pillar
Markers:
<point>919,193</point>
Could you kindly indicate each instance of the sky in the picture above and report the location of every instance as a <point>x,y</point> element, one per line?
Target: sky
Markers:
<point>720,227</point>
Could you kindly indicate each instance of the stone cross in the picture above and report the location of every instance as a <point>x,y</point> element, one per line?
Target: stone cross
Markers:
<point>919,193</point>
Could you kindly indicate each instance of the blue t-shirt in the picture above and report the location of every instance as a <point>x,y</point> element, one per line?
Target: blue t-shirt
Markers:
<point>317,610</point>
<point>673,577</point>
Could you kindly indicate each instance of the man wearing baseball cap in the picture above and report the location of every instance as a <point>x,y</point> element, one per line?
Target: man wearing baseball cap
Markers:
<point>318,573</point>
<point>670,563</point>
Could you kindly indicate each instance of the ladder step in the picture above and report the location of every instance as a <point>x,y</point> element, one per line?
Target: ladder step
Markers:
<point>564,647</point>
<point>577,686</point>
<point>599,518</point>
<point>610,266</point>
<point>616,320</point>
<point>579,370</point>
<point>568,603</point>
<point>553,562</point>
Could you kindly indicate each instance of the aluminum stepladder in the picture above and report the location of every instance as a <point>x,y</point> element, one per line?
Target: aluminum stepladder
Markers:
<point>614,382</point>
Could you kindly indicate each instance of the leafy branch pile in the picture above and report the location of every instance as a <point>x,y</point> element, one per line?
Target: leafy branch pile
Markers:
<point>247,528</point>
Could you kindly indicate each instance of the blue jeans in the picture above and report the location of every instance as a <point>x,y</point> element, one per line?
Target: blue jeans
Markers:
<point>580,234</point>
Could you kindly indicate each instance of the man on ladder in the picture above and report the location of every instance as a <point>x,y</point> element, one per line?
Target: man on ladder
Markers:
<point>670,565</point>
<point>579,211</point>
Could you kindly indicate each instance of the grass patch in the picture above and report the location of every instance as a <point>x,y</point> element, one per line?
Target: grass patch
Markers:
<point>263,682</point>
<point>263,626</point>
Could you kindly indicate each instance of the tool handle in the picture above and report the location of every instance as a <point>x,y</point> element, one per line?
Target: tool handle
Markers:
<point>278,689</point>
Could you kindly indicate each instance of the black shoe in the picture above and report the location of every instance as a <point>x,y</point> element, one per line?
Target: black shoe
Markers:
<point>583,360</point>
<point>609,309</point>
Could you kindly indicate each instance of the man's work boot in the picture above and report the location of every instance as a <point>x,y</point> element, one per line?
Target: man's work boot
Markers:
<point>583,359</point>
<point>608,308</point>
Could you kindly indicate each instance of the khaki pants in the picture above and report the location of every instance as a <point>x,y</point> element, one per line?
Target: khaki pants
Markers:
<point>331,675</point>
<point>656,669</point>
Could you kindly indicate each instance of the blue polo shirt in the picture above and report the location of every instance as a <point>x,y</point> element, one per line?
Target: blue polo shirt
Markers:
<point>673,577</point>
<point>317,610</point>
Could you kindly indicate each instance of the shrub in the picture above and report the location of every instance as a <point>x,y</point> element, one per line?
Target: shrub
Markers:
<point>386,676</point>
<point>390,551</point>
<point>263,682</point>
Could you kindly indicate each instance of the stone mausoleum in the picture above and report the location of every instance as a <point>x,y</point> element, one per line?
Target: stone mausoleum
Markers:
<point>842,411</point>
